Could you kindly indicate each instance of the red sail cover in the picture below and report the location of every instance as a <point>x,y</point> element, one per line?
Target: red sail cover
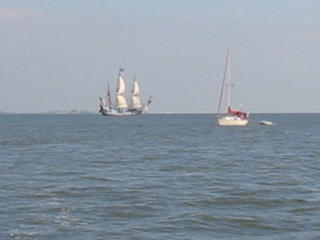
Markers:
<point>241,115</point>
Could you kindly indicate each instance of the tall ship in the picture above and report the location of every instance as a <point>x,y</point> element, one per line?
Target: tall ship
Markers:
<point>227,115</point>
<point>120,107</point>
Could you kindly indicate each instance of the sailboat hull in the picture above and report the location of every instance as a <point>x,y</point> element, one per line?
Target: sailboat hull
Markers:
<point>115,113</point>
<point>232,121</point>
<point>120,114</point>
<point>111,114</point>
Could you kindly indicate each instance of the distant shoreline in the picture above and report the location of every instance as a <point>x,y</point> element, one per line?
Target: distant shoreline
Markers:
<point>156,113</point>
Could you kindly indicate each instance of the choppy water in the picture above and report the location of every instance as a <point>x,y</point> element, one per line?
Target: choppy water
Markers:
<point>159,177</point>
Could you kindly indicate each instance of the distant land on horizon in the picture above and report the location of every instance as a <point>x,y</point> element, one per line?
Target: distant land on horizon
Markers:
<point>71,112</point>
<point>53,112</point>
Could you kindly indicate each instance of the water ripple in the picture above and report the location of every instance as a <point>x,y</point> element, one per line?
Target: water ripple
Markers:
<point>158,177</point>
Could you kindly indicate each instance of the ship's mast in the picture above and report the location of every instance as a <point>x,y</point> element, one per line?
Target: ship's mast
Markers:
<point>225,83</point>
<point>228,84</point>
<point>109,97</point>
<point>120,98</point>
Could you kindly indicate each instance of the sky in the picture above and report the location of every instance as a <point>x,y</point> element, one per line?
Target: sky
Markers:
<point>60,55</point>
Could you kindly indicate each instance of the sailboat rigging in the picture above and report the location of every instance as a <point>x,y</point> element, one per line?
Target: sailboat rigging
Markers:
<point>231,117</point>
<point>121,106</point>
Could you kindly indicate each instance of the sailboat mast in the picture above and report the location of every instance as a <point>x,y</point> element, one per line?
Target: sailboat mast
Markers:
<point>135,95</point>
<point>121,101</point>
<point>109,96</point>
<point>119,76</point>
<point>224,84</point>
<point>133,91</point>
<point>228,80</point>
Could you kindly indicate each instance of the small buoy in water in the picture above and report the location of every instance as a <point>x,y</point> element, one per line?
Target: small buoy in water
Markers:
<point>266,123</point>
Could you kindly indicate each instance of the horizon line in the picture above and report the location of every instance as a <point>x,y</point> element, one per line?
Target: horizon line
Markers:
<point>88,112</point>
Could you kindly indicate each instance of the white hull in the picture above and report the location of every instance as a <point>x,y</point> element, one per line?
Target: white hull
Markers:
<point>267,123</point>
<point>119,114</point>
<point>112,114</point>
<point>232,121</point>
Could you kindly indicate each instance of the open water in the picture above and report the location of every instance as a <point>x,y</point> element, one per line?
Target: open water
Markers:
<point>88,177</point>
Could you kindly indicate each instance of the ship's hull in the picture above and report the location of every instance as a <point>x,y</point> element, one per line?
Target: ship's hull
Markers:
<point>113,113</point>
<point>232,121</point>
<point>123,114</point>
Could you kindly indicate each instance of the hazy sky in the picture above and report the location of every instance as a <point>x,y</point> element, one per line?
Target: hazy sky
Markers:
<point>59,55</point>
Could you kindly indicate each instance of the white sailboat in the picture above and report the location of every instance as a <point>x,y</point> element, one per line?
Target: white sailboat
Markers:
<point>121,107</point>
<point>230,117</point>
